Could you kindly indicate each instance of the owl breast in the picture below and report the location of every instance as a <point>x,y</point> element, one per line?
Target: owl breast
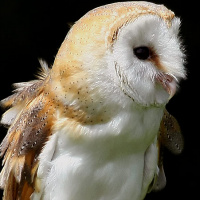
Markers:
<point>110,163</point>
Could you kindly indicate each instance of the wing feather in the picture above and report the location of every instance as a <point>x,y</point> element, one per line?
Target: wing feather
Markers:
<point>171,138</point>
<point>29,117</point>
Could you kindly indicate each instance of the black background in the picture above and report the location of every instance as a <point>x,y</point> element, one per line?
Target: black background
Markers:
<point>35,29</point>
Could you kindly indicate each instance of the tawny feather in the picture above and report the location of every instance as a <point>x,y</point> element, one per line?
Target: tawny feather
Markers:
<point>169,137</point>
<point>30,118</point>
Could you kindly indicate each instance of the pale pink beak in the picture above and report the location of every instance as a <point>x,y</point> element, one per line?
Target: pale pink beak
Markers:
<point>168,82</point>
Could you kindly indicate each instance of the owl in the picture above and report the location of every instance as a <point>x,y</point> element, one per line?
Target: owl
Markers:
<point>93,126</point>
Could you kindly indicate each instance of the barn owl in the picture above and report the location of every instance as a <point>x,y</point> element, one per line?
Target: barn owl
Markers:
<point>92,127</point>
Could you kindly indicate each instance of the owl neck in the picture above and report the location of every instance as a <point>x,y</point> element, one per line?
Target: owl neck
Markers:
<point>99,108</point>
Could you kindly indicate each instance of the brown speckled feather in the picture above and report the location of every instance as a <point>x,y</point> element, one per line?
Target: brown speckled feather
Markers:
<point>170,134</point>
<point>170,137</point>
<point>30,119</point>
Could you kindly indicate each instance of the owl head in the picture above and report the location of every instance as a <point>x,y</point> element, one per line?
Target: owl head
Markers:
<point>128,50</point>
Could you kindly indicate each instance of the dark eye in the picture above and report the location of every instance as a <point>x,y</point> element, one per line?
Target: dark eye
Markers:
<point>142,53</point>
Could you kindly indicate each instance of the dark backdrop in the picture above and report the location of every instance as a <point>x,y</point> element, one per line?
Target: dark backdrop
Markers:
<point>35,29</point>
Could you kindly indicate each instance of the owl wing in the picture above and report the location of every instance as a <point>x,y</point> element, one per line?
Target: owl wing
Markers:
<point>169,137</point>
<point>30,119</point>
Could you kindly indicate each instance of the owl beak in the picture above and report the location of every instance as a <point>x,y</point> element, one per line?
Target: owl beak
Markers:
<point>168,82</point>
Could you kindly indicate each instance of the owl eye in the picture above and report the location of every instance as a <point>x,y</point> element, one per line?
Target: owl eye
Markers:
<point>142,52</point>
